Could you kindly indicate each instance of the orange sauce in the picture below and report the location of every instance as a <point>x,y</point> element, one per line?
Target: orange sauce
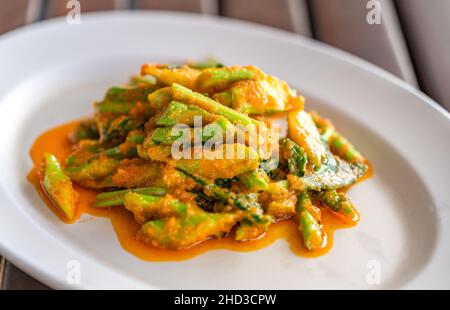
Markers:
<point>57,141</point>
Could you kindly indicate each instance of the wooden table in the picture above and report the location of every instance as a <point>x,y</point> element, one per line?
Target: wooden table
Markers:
<point>411,42</point>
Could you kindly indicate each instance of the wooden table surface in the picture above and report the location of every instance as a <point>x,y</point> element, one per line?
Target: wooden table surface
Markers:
<point>411,42</point>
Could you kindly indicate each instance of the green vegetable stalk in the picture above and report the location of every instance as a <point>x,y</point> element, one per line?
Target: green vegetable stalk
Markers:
<point>59,187</point>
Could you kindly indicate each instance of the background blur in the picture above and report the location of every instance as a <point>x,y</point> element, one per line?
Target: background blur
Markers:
<point>409,38</point>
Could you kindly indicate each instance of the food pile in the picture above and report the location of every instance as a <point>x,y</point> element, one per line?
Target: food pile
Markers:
<point>158,147</point>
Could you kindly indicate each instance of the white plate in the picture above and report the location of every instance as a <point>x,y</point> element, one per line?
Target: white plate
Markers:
<point>52,71</point>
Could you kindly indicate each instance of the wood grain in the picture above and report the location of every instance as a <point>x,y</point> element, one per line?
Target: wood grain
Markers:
<point>275,13</point>
<point>171,5</point>
<point>343,24</point>
<point>15,279</point>
<point>427,30</point>
<point>13,14</point>
<point>59,7</point>
<point>2,270</point>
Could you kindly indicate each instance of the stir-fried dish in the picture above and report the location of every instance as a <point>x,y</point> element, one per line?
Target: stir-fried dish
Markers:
<point>193,153</point>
